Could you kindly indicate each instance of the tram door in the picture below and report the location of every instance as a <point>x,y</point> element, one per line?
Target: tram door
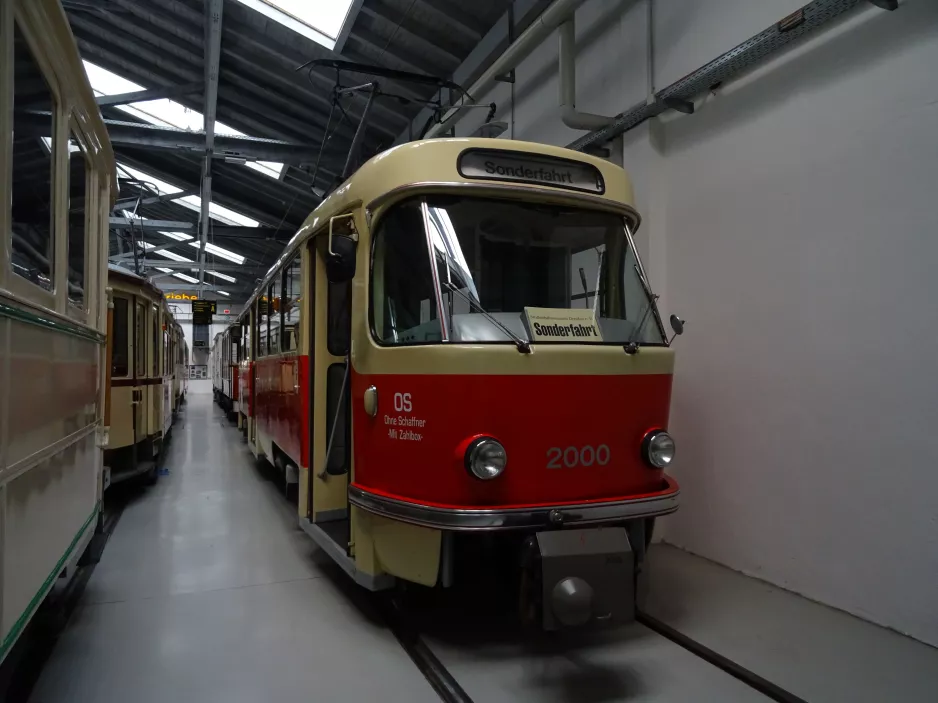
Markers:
<point>329,320</point>
<point>140,372</point>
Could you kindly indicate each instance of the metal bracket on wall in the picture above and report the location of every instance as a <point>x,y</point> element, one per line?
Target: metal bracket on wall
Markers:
<point>506,77</point>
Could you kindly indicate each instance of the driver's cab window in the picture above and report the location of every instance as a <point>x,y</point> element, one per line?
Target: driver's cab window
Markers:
<point>404,300</point>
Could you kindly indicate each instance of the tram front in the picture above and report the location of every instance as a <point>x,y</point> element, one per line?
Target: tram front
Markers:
<point>513,378</point>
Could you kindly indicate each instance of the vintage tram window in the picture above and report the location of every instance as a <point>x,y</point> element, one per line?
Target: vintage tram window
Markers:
<point>155,328</point>
<point>79,195</point>
<point>260,327</point>
<point>404,295</point>
<point>140,336</point>
<point>272,331</point>
<point>33,250</point>
<point>120,354</point>
<point>290,314</point>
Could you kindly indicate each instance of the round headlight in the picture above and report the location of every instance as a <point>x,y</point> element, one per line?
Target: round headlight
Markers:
<point>486,458</point>
<point>658,448</point>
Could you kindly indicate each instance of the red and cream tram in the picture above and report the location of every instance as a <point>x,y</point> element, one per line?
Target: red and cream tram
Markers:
<point>460,347</point>
<point>226,369</point>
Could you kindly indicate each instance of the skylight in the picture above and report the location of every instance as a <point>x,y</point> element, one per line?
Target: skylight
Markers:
<point>185,277</point>
<point>223,293</point>
<point>319,20</point>
<point>166,112</point>
<point>218,251</point>
<point>164,270</point>
<point>222,276</point>
<point>218,212</point>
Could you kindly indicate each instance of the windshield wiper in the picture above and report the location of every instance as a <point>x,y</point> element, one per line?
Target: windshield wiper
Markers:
<point>632,345</point>
<point>522,345</point>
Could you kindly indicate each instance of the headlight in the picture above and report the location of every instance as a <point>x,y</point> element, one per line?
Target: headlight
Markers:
<point>658,448</point>
<point>486,458</point>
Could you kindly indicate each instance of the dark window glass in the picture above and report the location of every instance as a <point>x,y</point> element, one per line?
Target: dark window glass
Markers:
<point>337,414</point>
<point>120,355</point>
<point>404,296</point>
<point>340,318</point>
<point>155,327</point>
<point>140,345</point>
<point>33,242</point>
<point>78,198</point>
<point>291,303</point>
<point>273,319</point>
<point>505,257</point>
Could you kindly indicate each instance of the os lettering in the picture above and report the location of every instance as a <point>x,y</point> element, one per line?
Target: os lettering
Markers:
<point>402,402</point>
<point>578,456</point>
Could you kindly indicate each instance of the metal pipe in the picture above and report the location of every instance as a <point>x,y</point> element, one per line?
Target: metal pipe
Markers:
<point>737,60</point>
<point>567,56</point>
<point>650,47</point>
<point>517,51</point>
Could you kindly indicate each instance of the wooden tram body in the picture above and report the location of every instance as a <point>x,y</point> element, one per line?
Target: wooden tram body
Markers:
<point>58,178</point>
<point>145,389</point>
<point>400,365</point>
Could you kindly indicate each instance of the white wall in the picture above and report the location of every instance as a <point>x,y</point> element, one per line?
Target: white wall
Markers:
<point>792,221</point>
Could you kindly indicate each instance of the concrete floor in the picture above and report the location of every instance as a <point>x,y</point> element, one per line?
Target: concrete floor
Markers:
<point>207,591</point>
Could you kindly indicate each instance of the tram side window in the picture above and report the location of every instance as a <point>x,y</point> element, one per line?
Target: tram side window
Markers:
<point>140,336</point>
<point>291,304</point>
<point>33,250</point>
<point>120,354</point>
<point>404,304</point>
<point>155,327</point>
<point>78,198</point>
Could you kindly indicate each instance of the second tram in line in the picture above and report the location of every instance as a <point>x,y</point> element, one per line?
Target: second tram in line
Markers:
<point>459,350</point>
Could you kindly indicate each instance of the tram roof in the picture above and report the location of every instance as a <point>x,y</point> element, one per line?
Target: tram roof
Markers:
<point>433,164</point>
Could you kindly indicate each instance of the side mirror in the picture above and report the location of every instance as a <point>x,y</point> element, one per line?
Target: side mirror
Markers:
<point>340,259</point>
<point>677,325</point>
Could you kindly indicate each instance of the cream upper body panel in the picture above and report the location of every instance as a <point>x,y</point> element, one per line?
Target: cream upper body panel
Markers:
<point>433,165</point>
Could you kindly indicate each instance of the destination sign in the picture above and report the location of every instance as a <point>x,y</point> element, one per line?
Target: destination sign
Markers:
<point>202,311</point>
<point>518,166</point>
<point>562,325</point>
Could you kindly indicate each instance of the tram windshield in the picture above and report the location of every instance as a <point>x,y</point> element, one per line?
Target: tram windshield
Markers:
<point>504,257</point>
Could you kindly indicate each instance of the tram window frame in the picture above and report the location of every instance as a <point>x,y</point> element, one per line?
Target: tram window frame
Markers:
<point>140,335</point>
<point>120,347</point>
<point>291,287</point>
<point>79,302</point>
<point>417,202</point>
<point>43,292</point>
<point>155,334</point>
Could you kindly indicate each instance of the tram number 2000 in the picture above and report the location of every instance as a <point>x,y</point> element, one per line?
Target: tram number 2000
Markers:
<point>571,457</point>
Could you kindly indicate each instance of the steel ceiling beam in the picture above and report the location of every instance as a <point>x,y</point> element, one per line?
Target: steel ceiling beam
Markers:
<point>213,17</point>
<point>408,29</point>
<point>153,199</point>
<point>232,231</point>
<point>487,50</point>
<point>186,170</point>
<point>252,148</point>
<point>246,268</point>
<point>148,94</point>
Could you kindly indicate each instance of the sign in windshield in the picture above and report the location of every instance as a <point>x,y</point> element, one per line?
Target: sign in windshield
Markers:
<point>518,166</point>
